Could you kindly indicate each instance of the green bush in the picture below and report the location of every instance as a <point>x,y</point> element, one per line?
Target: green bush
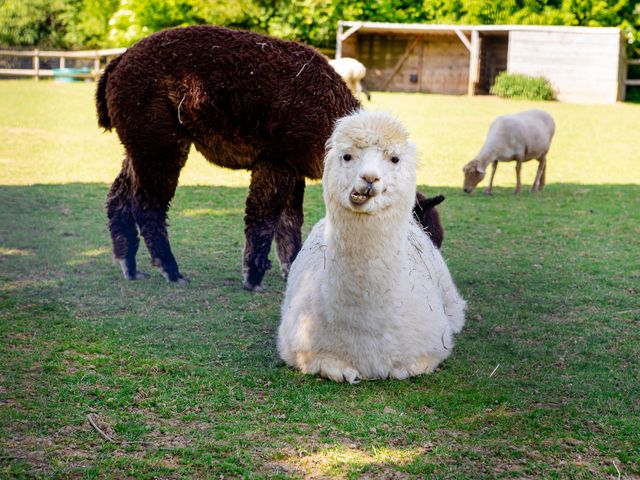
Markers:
<point>516,85</point>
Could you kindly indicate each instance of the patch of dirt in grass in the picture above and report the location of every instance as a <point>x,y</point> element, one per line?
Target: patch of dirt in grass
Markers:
<point>29,449</point>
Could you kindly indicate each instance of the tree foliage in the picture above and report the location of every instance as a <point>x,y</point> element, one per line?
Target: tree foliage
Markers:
<point>89,23</point>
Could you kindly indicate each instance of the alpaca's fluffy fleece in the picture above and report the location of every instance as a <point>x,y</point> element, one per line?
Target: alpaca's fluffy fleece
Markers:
<point>369,296</point>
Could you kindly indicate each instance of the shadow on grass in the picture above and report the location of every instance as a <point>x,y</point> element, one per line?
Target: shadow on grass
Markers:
<point>552,285</point>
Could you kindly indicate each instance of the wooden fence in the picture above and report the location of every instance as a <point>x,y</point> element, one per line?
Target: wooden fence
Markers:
<point>97,58</point>
<point>100,57</point>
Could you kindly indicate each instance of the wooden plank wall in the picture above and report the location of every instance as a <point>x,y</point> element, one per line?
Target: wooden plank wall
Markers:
<point>583,67</point>
<point>437,63</point>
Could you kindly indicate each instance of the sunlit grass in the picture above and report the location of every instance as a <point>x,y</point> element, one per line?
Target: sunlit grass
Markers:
<point>49,134</point>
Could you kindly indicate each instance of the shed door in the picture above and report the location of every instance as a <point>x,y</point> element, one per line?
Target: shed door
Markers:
<point>493,59</point>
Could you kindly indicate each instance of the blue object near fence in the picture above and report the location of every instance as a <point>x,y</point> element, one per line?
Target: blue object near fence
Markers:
<point>67,74</point>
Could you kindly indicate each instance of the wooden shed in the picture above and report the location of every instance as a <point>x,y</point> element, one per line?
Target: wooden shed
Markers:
<point>584,64</point>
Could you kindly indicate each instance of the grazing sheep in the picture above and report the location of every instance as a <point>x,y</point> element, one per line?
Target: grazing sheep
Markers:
<point>425,212</point>
<point>369,295</point>
<point>246,101</point>
<point>520,137</point>
<point>352,72</point>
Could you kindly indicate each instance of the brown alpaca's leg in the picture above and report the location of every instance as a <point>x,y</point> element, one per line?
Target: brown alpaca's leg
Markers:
<point>268,194</point>
<point>122,226</point>
<point>150,207</point>
<point>518,178</point>
<point>289,229</point>
<point>156,155</point>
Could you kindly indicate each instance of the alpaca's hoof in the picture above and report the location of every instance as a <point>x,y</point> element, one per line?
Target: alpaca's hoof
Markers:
<point>127,272</point>
<point>251,287</point>
<point>180,280</point>
<point>338,371</point>
<point>137,276</point>
<point>488,192</point>
<point>424,364</point>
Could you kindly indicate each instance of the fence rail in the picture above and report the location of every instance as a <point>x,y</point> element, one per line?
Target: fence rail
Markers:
<point>99,57</point>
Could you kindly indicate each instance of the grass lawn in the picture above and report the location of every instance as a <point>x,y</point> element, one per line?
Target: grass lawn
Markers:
<point>185,380</point>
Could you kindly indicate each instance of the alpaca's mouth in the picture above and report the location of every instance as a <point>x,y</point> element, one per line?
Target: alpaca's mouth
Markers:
<point>358,198</point>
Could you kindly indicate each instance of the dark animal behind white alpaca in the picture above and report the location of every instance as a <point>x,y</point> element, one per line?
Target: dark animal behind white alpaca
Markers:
<point>369,295</point>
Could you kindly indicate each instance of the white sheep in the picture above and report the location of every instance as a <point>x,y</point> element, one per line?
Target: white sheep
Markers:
<point>369,295</point>
<point>352,72</point>
<point>520,137</point>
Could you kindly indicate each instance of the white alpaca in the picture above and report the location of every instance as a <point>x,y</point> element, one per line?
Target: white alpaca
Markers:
<point>369,296</point>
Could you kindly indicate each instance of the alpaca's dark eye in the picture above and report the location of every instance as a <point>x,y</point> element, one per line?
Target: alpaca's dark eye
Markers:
<point>346,157</point>
<point>395,159</point>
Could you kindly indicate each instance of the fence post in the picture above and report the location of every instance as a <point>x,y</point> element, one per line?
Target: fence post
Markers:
<point>62,62</point>
<point>36,63</point>
<point>96,65</point>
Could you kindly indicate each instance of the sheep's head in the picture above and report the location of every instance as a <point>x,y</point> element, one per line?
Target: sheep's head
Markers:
<point>370,164</point>
<point>473,175</point>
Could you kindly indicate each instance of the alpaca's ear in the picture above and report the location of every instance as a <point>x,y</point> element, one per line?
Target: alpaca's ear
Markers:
<point>479,169</point>
<point>428,203</point>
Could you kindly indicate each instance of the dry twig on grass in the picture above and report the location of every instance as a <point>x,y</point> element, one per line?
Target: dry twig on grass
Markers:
<point>112,440</point>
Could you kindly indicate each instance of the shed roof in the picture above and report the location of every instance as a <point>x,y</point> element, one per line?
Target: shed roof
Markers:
<point>351,27</point>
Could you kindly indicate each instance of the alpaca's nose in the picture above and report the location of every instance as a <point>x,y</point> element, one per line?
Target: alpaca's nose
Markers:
<point>370,179</point>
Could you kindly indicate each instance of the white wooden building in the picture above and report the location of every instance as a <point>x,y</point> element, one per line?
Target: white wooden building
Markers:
<point>584,64</point>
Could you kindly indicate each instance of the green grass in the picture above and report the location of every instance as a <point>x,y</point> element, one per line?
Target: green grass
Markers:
<point>552,281</point>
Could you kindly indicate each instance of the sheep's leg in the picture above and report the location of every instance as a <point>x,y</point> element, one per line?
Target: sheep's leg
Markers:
<point>518,178</point>
<point>289,229</point>
<point>494,167</point>
<point>122,226</point>
<point>538,184</point>
<point>365,91</point>
<point>269,191</point>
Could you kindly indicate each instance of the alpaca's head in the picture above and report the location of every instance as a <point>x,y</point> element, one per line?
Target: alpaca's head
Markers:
<point>370,165</point>
<point>474,172</point>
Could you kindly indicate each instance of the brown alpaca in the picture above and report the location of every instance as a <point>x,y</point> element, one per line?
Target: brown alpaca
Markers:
<point>246,101</point>
<point>428,217</point>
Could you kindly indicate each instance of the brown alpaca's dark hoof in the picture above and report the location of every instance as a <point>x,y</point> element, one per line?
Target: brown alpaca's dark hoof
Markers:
<point>131,274</point>
<point>179,278</point>
<point>252,287</point>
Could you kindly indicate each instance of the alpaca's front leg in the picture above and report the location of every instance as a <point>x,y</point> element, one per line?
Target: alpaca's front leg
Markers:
<point>289,229</point>
<point>268,194</point>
